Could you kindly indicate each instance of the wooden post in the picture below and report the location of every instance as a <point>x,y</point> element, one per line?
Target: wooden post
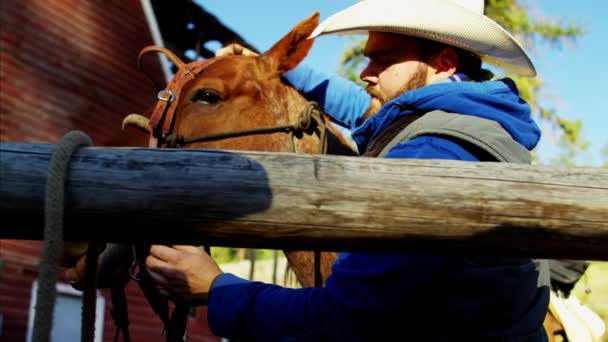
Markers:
<point>288,201</point>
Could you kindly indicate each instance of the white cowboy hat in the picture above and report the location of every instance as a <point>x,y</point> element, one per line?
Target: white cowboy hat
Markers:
<point>459,23</point>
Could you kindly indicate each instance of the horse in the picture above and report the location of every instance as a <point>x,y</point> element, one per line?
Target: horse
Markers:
<point>241,103</point>
<point>235,102</point>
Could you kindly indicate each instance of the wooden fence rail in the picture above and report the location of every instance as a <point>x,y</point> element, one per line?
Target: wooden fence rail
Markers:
<point>288,201</point>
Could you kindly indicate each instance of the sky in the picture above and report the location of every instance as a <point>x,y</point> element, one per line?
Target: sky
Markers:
<point>573,75</point>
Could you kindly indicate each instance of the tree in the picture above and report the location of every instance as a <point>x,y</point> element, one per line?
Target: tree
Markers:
<point>532,32</point>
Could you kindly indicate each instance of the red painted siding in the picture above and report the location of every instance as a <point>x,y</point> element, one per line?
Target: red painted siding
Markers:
<point>67,65</point>
<point>71,65</point>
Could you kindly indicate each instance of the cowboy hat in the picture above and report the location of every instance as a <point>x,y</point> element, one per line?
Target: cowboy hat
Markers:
<point>459,23</point>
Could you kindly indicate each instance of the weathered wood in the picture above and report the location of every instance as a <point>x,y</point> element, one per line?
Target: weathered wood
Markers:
<point>278,200</point>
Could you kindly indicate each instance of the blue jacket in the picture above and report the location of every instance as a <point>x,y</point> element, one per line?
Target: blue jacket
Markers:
<point>371,296</point>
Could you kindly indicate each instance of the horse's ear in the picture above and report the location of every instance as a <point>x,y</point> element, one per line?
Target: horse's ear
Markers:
<point>291,49</point>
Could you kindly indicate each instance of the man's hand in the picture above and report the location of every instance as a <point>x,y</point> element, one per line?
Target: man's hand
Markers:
<point>183,273</point>
<point>234,49</point>
<point>73,262</point>
<point>75,274</point>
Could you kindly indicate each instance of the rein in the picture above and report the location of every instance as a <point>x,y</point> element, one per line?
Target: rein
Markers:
<point>310,118</point>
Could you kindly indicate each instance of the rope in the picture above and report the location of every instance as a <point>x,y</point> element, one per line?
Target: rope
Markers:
<point>318,277</point>
<point>89,295</point>
<point>304,123</point>
<point>53,232</point>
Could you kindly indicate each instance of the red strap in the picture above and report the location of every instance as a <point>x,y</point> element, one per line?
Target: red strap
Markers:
<point>175,86</point>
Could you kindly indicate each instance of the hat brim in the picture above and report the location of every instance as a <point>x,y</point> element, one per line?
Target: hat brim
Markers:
<point>438,20</point>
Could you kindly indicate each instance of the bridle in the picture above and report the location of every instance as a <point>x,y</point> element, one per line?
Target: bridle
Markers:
<point>162,121</point>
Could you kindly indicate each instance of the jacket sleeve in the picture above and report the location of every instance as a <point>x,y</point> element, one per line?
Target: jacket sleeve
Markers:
<point>344,101</point>
<point>254,311</point>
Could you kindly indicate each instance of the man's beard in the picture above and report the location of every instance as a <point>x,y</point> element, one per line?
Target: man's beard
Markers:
<point>417,80</point>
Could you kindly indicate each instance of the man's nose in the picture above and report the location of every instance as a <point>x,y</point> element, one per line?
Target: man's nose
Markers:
<point>368,76</point>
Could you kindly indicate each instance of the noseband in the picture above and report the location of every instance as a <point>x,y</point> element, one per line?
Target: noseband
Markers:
<point>309,120</point>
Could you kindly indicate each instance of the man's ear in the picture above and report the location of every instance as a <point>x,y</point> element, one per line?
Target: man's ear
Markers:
<point>445,63</point>
<point>446,59</point>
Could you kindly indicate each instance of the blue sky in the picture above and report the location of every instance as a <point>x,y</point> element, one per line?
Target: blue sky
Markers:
<point>574,76</point>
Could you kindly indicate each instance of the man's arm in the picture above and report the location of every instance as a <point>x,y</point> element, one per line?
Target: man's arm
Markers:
<point>362,287</point>
<point>364,292</point>
<point>249,310</point>
<point>344,101</point>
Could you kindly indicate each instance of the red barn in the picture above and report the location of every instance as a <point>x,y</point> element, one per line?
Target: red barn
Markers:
<point>71,65</point>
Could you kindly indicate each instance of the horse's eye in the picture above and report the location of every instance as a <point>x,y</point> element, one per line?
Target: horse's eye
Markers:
<point>206,96</point>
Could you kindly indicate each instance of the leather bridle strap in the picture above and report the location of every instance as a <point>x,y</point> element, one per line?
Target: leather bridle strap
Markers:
<point>162,119</point>
<point>309,120</point>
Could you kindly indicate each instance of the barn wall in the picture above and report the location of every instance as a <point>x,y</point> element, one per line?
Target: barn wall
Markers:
<point>21,268</point>
<point>71,65</point>
<point>67,65</point>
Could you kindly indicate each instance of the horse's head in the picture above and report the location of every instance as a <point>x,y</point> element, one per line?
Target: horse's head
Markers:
<point>233,94</point>
<point>240,93</point>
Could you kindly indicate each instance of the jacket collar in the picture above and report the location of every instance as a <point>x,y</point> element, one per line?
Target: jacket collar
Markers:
<point>495,100</point>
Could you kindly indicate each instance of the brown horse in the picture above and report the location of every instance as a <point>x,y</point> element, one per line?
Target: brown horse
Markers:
<point>239,93</point>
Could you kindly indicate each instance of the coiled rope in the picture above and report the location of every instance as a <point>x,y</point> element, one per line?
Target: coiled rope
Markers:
<point>54,204</point>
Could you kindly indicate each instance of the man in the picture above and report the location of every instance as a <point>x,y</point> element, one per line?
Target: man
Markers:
<point>420,81</point>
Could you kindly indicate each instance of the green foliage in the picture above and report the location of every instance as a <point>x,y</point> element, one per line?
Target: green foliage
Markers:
<point>531,32</point>
<point>515,19</point>
<point>353,60</point>
<point>569,152</point>
<point>592,290</point>
<point>263,254</point>
<point>224,255</point>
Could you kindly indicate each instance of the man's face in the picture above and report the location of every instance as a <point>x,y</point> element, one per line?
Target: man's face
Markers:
<point>394,67</point>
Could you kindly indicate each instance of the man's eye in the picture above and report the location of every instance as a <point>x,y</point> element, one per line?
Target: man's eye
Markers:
<point>206,96</point>
<point>383,61</point>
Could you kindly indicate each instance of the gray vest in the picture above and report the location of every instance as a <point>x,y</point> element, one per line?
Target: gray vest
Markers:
<point>484,134</point>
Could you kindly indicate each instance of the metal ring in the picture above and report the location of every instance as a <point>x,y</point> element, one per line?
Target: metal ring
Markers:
<point>132,270</point>
<point>165,95</point>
